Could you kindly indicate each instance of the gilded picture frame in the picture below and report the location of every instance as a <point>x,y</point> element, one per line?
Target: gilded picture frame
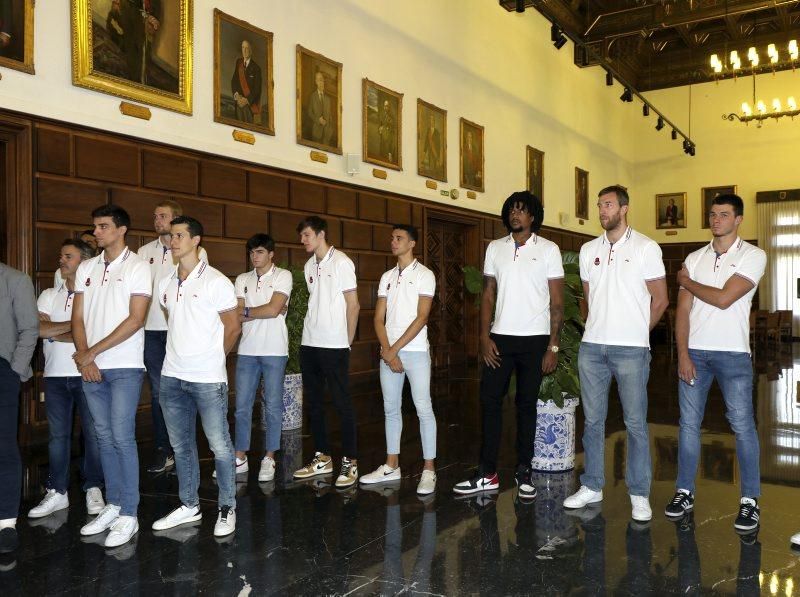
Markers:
<point>120,50</point>
<point>707,195</point>
<point>431,141</point>
<point>471,174</point>
<point>581,194</point>
<point>382,125</point>
<point>670,211</point>
<point>319,101</point>
<point>243,85</point>
<point>16,35</point>
<point>534,172</point>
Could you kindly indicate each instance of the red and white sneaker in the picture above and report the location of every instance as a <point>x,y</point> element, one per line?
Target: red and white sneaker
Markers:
<point>480,482</point>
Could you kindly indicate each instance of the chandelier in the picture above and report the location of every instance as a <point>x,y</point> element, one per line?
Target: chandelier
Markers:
<point>734,62</point>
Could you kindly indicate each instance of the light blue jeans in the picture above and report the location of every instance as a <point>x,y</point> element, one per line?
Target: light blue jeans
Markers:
<point>181,402</point>
<point>734,374</point>
<point>249,370</point>
<point>417,365</point>
<point>630,366</point>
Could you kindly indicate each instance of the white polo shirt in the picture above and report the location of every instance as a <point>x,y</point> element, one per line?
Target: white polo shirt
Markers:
<point>402,289</point>
<point>162,264</point>
<point>619,301</point>
<point>712,328</point>
<point>56,303</point>
<point>107,289</point>
<point>522,307</point>
<point>264,337</point>
<point>325,325</point>
<point>196,336</point>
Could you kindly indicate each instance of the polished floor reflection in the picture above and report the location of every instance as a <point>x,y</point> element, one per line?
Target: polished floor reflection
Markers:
<point>311,539</point>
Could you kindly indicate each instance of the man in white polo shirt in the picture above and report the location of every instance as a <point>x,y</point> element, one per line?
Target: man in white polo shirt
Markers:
<point>203,328</point>
<point>523,288</point>
<point>712,334</point>
<point>112,292</point>
<point>263,294</point>
<point>405,295</point>
<point>625,287</point>
<point>158,255</point>
<point>328,331</point>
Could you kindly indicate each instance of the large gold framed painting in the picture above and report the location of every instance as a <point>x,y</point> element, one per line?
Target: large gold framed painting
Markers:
<point>139,50</point>
<point>16,34</point>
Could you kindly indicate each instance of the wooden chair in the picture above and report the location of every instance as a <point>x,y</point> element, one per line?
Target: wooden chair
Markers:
<point>785,325</point>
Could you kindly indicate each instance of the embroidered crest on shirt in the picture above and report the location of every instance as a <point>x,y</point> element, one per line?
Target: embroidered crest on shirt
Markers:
<point>152,261</point>
<point>88,281</point>
<point>597,261</point>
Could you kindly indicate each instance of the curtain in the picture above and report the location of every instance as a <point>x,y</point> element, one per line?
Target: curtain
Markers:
<point>779,236</point>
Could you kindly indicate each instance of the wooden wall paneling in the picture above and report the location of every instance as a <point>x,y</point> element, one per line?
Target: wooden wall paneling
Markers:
<point>371,207</point>
<point>223,181</point>
<point>210,213</point>
<point>103,159</point>
<point>371,267</point>
<point>48,247</point>
<point>334,233</point>
<point>366,326</point>
<point>398,212</point>
<point>243,221</point>
<point>282,226</point>
<point>139,205</point>
<point>367,294</point>
<point>169,171</point>
<point>268,189</point>
<point>68,202</point>
<point>356,235</point>
<point>298,257</point>
<point>363,357</point>
<point>382,237</point>
<point>417,216</point>
<point>53,151</point>
<point>499,229</point>
<point>229,257</point>
<point>342,202</point>
<point>307,197</point>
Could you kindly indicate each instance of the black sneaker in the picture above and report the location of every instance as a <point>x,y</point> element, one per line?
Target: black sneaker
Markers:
<point>681,503</point>
<point>479,482</point>
<point>749,514</point>
<point>162,462</point>
<point>524,479</point>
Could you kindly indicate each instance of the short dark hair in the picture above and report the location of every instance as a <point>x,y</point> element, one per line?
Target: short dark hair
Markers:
<point>118,215</point>
<point>316,224</point>
<point>621,192</point>
<point>194,227</point>
<point>730,199</point>
<point>261,240</point>
<point>86,251</point>
<point>409,229</point>
<point>89,232</point>
<point>527,200</point>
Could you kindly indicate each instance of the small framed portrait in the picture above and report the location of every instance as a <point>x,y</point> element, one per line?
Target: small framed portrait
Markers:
<point>16,34</point>
<point>581,194</point>
<point>243,81</point>
<point>534,172</point>
<point>671,210</point>
<point>471,151</point>
<point>140,50</point>
<point>319,101</point>
<point>707,194</point>
<point>382,125</point>
<point>431,141</point>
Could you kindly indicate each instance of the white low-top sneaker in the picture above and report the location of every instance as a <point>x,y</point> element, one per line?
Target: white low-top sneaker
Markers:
<point>583,497</point>
<point>427,482</point>
<point>242,467</point>
<point>94,501</point>
<point>382,474</point>
<point>267,470</point>
<point>795,540</point>
<point>52,502</point>
<point>178,516</point>
<point>640,508</point>
<point>122,531</point>
<point>226,522</point>
<point>104,520</point>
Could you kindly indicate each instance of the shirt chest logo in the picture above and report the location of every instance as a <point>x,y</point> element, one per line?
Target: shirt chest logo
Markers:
<point>88,282</point>
<point>152,261</point>
<point>597,261</point>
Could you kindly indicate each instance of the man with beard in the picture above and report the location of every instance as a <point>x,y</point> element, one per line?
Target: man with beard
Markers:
<point>625,287</point>
<point>524,288</point>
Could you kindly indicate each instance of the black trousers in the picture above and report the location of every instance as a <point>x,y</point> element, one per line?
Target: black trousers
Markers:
<point>331,365</point>
<point>10,461</point>
<point>521,355</point>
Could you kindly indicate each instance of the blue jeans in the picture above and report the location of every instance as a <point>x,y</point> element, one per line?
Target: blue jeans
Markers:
<point>113,403</point>
<point>155,349</point>
<point>249,370</point>
<point>182,401</point>
<point>630,366</point>
<point>734,374</point>
<point>417,366</point>
<point>62,394</point>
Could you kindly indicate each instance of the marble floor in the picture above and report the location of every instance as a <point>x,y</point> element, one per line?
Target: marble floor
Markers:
<point>309,539</point>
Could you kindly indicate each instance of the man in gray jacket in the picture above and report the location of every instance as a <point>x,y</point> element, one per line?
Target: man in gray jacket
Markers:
<point>18,336</point>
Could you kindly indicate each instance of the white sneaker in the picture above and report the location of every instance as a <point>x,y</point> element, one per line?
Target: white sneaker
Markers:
<point>104,520</point>
<point>94,501</point>
<point>795,540</point>
<point>382,474</point>
<point>52,502</point>
<point>640,508</point>
<point>267,471</point>
<point>427,483</point>
<point>241,467</point>
<point>122,531</point>
<point>178,517</point>
<point>583,497</point>
<point>226,522</point>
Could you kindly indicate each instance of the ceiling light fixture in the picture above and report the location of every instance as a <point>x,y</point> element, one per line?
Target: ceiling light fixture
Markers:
<point>776,56</point>
<point>520,5</point>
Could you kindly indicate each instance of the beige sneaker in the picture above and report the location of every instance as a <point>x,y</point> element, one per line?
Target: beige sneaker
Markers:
<point>321,465</point>
<point>348,474</point>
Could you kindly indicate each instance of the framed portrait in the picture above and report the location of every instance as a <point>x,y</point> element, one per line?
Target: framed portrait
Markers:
<point>671,210</point>
<point>581,194</point>
<point>139,50</point>
<point>707,196</point>
<point>431,141</point>
<point>319,101</point>
<point>16,34</point>
<point>243,81</point>
<point>471,174</point>
<point>382,125</point>
<point>534,172</point>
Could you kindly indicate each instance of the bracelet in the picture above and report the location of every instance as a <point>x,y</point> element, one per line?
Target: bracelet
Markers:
<point>247,312</point>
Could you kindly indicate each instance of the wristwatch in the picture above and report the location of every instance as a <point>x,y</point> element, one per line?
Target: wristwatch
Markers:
<point>553,349</point>
<point>247,312</point>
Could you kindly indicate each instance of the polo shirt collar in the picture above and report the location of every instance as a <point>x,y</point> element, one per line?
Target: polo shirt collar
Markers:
<point>411,266</point>
<point>164,248</point>
<point>327,257</point>
<point>267,274</point>
<point>737,244</point>
<point>622,240</point>
<point>531,239</point>
<point>197,272</point>
<point>120,258</point>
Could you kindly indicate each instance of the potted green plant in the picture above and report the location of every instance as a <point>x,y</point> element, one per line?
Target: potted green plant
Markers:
<point>293,381</point>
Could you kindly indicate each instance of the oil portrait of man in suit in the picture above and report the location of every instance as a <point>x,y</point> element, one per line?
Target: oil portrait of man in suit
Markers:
<point>319,101</point>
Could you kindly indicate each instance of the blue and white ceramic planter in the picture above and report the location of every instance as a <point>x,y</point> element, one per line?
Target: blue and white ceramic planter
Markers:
<point>554,446</point>
<point>292,402</point>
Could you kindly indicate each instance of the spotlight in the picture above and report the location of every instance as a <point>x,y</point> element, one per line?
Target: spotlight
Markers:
<point>691,151</point>
<point>686,146</point>
<point>627,95</point>
<point>674,134</point>
<point>520,5</point>
<point>609,79</point>
<point>557,36</point>
<point>660,124</point>
<point>645,110</point>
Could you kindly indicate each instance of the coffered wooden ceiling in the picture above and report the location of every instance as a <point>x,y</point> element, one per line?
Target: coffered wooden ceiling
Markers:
<point>667,43</point>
